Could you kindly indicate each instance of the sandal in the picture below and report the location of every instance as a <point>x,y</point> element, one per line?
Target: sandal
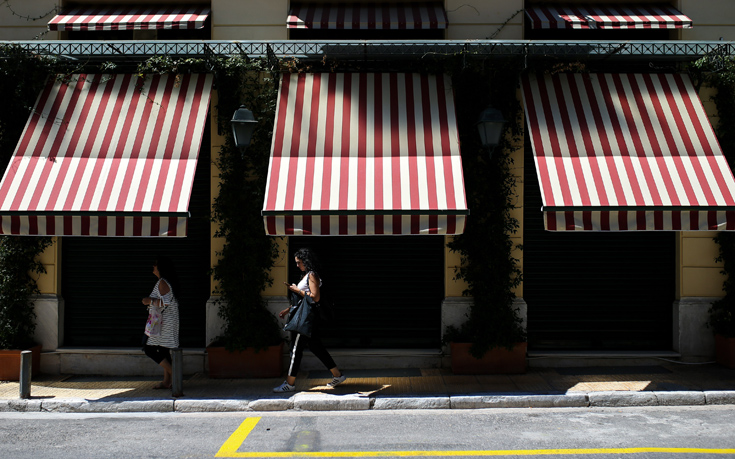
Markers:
<point>162,386</point>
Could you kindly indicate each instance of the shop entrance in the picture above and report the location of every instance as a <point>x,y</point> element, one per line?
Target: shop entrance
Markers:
<point>387,290</point>
<point>104,278</point>
<point>595,290</point>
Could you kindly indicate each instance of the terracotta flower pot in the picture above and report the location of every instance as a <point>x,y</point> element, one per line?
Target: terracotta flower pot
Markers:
<point>10,363</point>
<point>725,351</point>
<point>245,364</point>
<point>497,360</point>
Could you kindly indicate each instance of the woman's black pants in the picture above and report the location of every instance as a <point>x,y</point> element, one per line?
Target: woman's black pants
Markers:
<point>157,353</point>
<point>298,343</point>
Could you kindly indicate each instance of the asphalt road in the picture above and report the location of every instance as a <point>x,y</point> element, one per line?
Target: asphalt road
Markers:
<point>653,432</point>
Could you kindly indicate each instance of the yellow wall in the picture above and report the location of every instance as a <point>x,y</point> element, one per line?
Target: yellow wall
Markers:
<point>49,283</point>
<point>15,25</point>
<point>249,20</point>
<point>712,19</point>
<point>479,19</point>
<point>699,273</point>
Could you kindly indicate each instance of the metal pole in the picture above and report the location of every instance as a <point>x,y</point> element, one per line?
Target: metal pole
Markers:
<point>177,370</point>
<point>26,359</point>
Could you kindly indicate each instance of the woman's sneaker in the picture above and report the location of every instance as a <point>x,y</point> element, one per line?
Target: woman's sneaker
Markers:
<point>336,381</point>
<point>285,387</point>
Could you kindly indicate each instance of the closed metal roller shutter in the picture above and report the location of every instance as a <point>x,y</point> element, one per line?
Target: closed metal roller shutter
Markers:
<point>104,278</point>
<point>387,290</point>
<point>595,291</point>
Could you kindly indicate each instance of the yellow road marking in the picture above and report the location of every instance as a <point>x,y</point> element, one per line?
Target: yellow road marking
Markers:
<point>233,443</point>
<point>230,449</point>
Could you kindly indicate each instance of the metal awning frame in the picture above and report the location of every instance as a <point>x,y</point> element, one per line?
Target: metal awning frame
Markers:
<point>360,50</point>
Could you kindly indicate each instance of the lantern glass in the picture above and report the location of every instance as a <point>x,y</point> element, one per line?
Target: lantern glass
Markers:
<point>490,126</point>
<point>243,124</point>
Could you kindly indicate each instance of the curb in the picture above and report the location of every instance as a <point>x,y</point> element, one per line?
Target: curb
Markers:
<point>356,402</point>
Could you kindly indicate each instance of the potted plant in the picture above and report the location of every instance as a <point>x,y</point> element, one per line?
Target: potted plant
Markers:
<point>722,322</point>
<point>492,339</point>
<point>722,312</point>
<point>18,263</point>
<point>251,344</point>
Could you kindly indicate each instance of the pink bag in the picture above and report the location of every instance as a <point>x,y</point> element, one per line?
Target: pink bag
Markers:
<point>153,325</point>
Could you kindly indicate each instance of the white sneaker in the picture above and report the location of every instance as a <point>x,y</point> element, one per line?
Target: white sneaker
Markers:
<point>336,381</point>
<point>285,387</point>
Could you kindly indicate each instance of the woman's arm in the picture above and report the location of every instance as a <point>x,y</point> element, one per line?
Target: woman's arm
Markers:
<point>314,286</point>
<point>163,289</point>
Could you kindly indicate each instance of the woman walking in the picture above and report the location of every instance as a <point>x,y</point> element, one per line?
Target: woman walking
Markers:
<point>158,347</point>
<point>310,285</point>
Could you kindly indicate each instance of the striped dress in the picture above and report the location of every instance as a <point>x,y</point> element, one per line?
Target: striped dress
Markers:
<point>169,336</point>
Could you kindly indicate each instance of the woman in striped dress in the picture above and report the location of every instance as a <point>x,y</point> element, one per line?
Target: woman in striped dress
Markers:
<point>158,347</point>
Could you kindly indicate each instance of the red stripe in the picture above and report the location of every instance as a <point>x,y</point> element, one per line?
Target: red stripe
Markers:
<point>427,127</point>
<point>621,130</point>
<point>190,145</point>
<point>129,131</point>
<point>655,148</point>
<point>362,123</point>
<point>166,151</point>
<point>380,224</point>
<point>340,17</point>
<point>703,151</point>
<point>570,148</point>
<point>395,146</point>
<point>278,146</point>
<point>386,19</point>
<point>402,22</point>
<point>79,134</point>
<point>149,183</point>
<point>378,144</point>
<point>89,157</point>
<point>104,152</point>
<point>577,85</point>
<point>313,135</point>
<point>137,152</point>
<point>541,154</point>
<point>452,225</point>
<point>411,127</point>
<point>346,122</point>
<point>329,140</point>
<point>453,201</point>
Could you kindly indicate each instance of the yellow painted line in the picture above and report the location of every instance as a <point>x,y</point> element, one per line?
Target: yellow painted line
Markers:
<point>233,443</point>
<point>230,449</point>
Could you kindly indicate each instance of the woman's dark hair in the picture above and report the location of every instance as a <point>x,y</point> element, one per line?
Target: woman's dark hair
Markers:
<point>167,270</point>
<point>309,259</point>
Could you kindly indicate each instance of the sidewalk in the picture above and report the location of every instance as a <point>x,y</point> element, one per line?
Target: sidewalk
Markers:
<point>662,384</point>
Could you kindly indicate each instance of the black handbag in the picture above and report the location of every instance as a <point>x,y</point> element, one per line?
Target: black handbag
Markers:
<point>301,318</point>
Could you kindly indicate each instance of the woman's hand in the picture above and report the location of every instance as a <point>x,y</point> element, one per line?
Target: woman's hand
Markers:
<point>146,301</point>
<point>283,313</point>
<point>293,287</point>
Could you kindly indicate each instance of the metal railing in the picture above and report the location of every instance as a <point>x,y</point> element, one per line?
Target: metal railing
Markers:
<point>376,49</point>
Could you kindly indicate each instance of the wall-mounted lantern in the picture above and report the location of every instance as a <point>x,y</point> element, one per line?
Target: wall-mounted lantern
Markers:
<point>243,124</point>
<point>490,125</point>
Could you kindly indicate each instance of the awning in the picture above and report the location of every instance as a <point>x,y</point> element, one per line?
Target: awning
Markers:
<point>626,152</point>
<point>635,16</point>
<point>111,17</point>
<point>107,155</point>
<point>366,16</point>
<point>366,154</point>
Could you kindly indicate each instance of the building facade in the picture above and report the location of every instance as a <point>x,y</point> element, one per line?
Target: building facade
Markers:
<point>604,292</point>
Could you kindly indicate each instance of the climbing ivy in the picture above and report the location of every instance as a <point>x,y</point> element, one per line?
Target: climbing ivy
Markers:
<point>718,72</point>
<point>21,79</point>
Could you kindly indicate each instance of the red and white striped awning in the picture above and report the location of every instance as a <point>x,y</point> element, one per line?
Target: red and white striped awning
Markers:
<point>366,16</point>
<point>636,16</point>
<point>111,17</point>
<point>365,153</point>
<point>626,152</point>
<point>107,155</point>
